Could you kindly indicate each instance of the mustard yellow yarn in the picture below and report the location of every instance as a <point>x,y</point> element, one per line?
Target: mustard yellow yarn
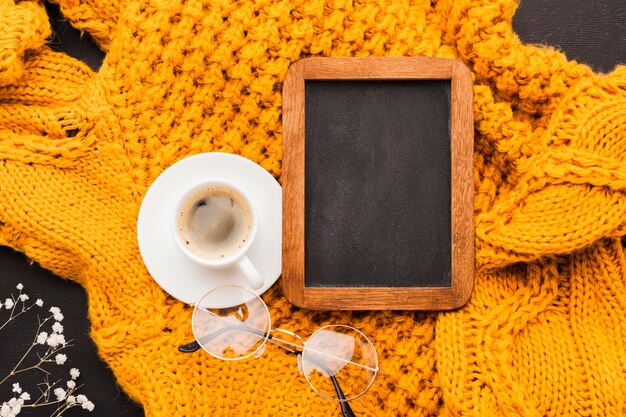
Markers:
<point>544,332</point>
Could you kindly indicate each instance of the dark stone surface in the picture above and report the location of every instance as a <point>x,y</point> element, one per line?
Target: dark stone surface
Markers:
<point>71,41</point>
<point>592,32</point>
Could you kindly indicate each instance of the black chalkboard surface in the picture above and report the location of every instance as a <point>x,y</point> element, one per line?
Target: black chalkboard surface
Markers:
<point>377,183</point>
<point>377,195</point>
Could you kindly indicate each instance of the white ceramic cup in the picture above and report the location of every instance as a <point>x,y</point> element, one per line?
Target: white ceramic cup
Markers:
<point>239,258</point>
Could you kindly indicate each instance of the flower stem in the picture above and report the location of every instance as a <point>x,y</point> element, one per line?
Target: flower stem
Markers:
<point>13,371</point>
<point>12,311</point>
<point>17,315</point>
<point>40,404</point>
<point>19,371</point>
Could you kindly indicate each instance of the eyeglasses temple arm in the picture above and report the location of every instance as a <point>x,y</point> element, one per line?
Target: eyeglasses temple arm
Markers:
<point>189,347</point>
<point>194,346</point>
<point>346,410</point>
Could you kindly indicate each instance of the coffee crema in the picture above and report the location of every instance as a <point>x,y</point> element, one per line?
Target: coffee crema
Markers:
<point>215,222</point>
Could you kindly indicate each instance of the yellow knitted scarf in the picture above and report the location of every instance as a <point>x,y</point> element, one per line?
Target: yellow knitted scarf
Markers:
<point>544,332</point>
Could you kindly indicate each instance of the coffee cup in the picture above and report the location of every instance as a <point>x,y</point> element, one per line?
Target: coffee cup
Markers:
<point>214,225</point>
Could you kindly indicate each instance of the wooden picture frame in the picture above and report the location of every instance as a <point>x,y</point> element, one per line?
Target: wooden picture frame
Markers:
<point>294,177</point>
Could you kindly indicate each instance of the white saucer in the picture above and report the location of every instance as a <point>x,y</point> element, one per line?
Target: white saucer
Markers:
<point>170,268</point>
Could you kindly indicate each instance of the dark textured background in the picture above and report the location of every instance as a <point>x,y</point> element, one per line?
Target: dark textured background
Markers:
<point>593,32</point>
<point>589,31</point>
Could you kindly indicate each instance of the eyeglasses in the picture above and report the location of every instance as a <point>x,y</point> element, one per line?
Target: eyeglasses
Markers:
<point>232,323</point>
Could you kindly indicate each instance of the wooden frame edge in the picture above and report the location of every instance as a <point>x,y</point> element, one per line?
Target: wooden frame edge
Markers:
<point>462,175</point>
<point>293,184</point>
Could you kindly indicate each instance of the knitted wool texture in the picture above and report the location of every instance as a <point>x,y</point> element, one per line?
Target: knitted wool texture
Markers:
<point>544,332</point>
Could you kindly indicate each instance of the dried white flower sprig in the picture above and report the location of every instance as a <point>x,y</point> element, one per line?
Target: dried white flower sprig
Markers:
<point>46,346</point>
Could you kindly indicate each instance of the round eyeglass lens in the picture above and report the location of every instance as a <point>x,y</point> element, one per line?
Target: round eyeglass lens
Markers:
<point>231,322</point>
<point>339,358</point>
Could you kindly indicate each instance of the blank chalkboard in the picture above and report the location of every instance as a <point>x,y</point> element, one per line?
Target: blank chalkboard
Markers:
<point>377,183</point>
<point>378,204</point>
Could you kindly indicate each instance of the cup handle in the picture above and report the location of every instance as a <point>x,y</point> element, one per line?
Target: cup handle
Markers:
<point>251,273</point>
